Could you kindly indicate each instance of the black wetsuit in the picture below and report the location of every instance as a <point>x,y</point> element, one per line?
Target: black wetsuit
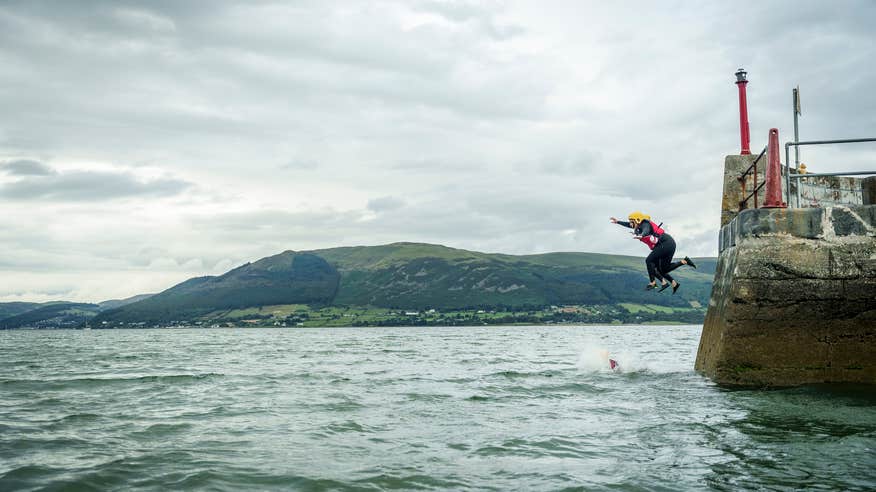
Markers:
<point>659,261</point>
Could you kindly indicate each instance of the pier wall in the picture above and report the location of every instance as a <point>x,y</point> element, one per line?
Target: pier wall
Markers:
<point>794,296</point>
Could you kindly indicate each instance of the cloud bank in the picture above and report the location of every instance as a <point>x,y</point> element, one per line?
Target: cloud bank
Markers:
<point>145,143</point>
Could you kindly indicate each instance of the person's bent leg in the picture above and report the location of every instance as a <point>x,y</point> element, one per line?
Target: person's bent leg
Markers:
<point>667,251</point>
<point>663,267</point>
<point>662,255</point>
<point>673,266</point>
<point>651,264</point>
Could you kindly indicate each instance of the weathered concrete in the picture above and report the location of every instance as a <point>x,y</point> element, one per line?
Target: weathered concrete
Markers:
<point>735,165</point>
<point>821,191</point>
<point>825,191</point>
<point>794,299</point>
<point>868,191</point>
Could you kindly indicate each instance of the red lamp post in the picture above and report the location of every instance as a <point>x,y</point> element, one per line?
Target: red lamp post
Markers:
<point>741,82</point>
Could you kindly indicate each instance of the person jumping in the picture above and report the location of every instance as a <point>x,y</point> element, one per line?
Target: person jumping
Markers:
<point>659,261</point>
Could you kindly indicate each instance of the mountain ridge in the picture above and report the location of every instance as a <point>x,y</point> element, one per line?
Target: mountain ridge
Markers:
<point>415,276</point>
<point>400,276</point>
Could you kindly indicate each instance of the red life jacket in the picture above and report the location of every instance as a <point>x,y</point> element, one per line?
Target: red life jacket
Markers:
<point>651,240</point>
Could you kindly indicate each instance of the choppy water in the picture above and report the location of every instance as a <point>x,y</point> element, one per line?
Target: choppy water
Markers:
<point>502,408</point>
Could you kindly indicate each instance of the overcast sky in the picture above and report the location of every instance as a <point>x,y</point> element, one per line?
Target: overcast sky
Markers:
<point>143,143</point>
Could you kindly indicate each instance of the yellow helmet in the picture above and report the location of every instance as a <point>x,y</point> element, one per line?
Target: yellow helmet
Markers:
<point>638,216</point>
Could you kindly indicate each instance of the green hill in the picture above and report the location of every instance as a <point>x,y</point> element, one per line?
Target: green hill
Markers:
<point>281,279</point>
<point>115,303</point>
<point>417,276</point>
<point>53,315</point>
<point>410,276</point>
<point>9,309</point>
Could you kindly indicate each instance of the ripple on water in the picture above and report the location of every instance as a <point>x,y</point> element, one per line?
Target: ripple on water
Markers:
<point>162,430</point>
<point>554,447</point>
<point>76,420</point>
<point>510,374</point>
<point>25,477</point>
<point>427,397</point>
<point>80,383</point>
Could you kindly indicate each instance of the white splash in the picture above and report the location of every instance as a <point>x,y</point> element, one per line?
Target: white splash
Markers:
<point>598,359</point>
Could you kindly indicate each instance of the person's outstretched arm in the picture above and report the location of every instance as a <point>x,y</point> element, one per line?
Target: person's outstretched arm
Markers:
<point>620,222</point>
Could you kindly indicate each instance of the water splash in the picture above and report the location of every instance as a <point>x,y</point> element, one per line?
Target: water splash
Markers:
<point>598,359</point>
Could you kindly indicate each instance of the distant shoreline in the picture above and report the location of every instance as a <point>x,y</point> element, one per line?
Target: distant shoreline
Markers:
<point>497,325</point>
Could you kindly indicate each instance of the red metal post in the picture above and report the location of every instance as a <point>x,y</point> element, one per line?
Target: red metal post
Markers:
<point>741,82</point>
<point>773,174</point>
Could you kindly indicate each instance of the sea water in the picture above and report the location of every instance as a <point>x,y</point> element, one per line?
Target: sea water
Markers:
<point>487,408</point>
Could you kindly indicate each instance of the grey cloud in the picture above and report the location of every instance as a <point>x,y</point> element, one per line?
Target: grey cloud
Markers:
<point>385,203</point>
<point>25,167</point>
<point>218,55</point>
<point>432,166</point>
<point>517,213</point>
<point>463,11</point>
<point>138,18</point>
<point>255,234</point>
<point>300,165</point>
<point>572,163</point>
<point>57,292</point>
<point>274,224</point>
<point>698,244</point>
<point>417,165</point>
<point>514,127</point>
<point>458,11</point>
<point>328,36</point>
<point>90,186</point>
<point>143,256</point>
<point>474,216</point>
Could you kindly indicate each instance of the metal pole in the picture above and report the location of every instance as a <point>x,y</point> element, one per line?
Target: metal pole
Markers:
<point>796,130</point>
<point>788,174</point>
<point>798,192</point>
<point>822,142</point>
<point>744,136</point>
<point>818,175</point>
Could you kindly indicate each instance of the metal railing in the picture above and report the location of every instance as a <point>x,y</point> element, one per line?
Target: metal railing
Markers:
<point>752,169</point>
<point>798,177</point>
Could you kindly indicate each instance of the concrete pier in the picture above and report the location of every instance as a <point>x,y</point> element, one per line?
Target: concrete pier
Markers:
<point>794,296</point>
